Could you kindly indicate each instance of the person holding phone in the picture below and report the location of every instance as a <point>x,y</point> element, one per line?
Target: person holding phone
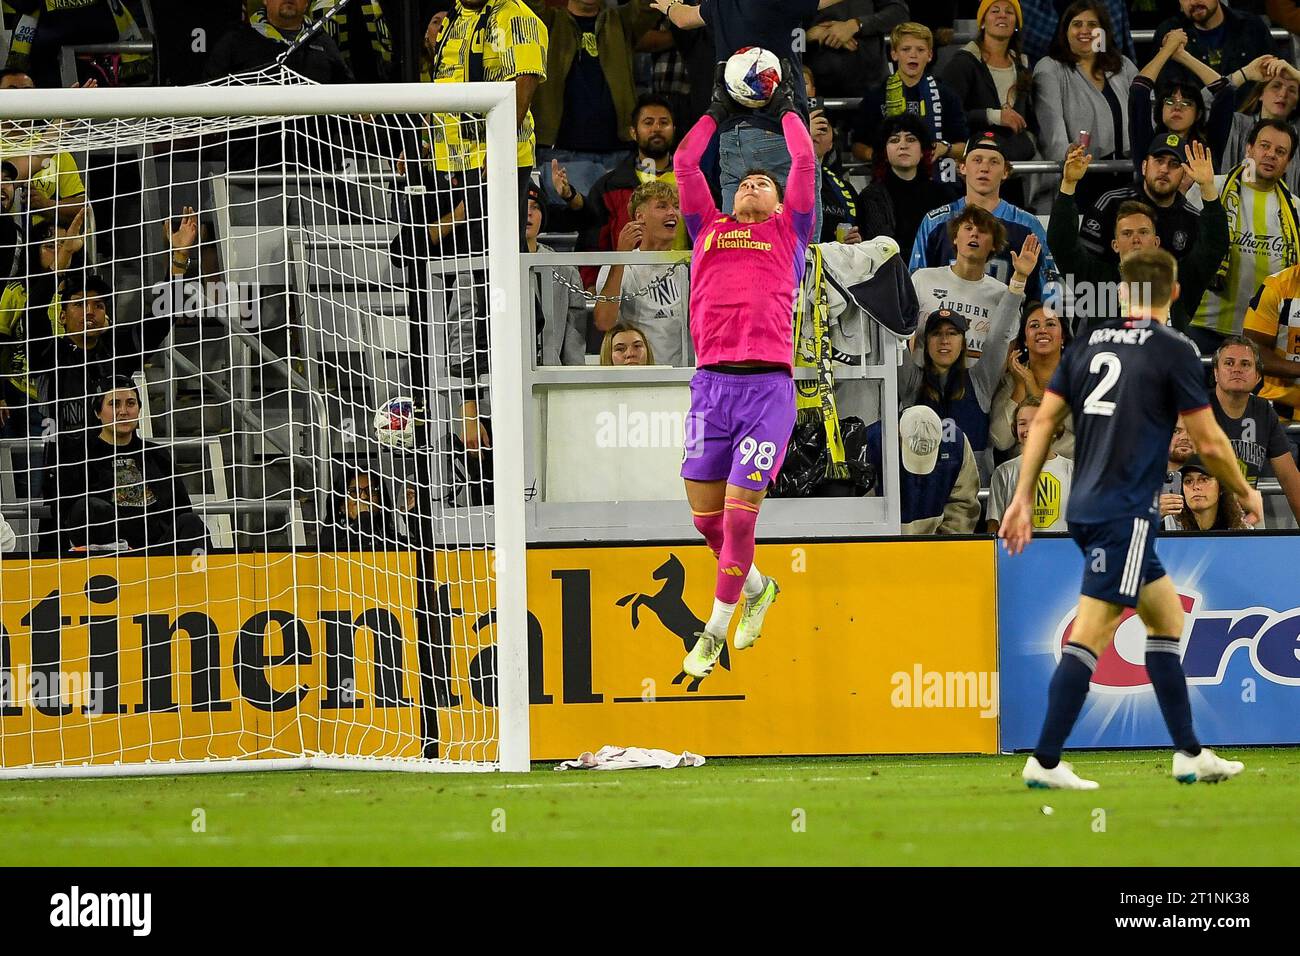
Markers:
<point>1031,363</point>
<point>1170,502</point>
<point>841,207</point>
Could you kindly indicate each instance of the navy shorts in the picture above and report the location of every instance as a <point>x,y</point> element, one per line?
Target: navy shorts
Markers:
<point>1118,558</point>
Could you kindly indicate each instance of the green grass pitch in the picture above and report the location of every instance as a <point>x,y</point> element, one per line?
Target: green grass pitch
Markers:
<point>935,810</point>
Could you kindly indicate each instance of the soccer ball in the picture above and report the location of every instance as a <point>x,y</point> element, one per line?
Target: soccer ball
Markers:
<point>752,75</point>
<point>395,423</point>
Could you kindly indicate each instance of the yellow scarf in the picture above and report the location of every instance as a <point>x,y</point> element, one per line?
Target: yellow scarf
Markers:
<point>264,26</point>
<point>1290,227</point>
<point>372,15</point>
<point>816,399</point>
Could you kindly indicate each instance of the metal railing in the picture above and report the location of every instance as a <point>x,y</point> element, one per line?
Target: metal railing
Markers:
<point>1268,487</point>
<point>276,179</point>
<point>1031,167</point>
<point>251,344</point>
<point>293,524</point>
<point>1042,167</point>
<point>68,55</point>
<point>125,46</point>
<point>26,511</point>
<point>1139,36</point>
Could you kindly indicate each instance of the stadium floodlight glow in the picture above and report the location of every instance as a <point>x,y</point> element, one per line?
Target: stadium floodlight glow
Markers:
<point>352,598</point>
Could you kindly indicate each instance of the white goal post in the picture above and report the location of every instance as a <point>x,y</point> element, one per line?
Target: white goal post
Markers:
<point>314,656</point>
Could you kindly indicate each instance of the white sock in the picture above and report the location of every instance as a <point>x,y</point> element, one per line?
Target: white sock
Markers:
<point>753,585</point>
<point>720,619</point>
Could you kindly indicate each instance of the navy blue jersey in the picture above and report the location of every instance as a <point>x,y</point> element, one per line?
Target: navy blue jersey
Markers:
<point>1126,384</point>
<point>932,247</point>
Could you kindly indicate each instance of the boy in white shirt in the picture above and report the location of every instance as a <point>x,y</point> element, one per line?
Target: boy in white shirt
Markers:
<point>657,295</point>
<point>963,286</point>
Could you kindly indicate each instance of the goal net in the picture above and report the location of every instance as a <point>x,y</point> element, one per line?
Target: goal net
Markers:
<point>261,440</point>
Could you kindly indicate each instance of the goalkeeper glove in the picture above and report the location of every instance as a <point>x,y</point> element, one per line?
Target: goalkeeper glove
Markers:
<point>783,100</point>
<point>722,106</point>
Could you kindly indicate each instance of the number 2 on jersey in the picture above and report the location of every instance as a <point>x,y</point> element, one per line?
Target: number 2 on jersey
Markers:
<point>1096,403</point>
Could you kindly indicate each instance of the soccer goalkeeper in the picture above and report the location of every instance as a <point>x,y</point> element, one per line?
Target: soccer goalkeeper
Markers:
<point>745,270</point>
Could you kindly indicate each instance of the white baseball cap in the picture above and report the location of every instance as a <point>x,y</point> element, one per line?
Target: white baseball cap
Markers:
<point>920,432</point>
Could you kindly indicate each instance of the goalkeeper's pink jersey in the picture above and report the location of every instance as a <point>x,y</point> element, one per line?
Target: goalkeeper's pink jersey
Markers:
<point>744,276</point>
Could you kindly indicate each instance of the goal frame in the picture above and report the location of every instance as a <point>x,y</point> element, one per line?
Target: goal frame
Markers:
<point>497,102</point>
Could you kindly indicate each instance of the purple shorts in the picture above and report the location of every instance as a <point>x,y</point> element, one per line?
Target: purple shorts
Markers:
<point>738,427</point>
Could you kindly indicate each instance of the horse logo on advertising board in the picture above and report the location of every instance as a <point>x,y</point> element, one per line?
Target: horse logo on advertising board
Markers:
<point>669,605</point>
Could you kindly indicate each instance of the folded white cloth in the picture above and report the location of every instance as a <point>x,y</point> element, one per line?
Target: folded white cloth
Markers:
<point>631,758</point>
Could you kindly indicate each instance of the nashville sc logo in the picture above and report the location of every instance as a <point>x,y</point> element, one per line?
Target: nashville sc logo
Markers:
<point>1270,638</point>
<point>1047,500</point>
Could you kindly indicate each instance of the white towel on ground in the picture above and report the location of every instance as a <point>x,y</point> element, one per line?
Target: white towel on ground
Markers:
<point>631,758</point>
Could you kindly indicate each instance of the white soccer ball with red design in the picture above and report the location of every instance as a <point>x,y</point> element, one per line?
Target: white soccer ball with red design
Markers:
<point>752,75</point>
<point>395,423</point>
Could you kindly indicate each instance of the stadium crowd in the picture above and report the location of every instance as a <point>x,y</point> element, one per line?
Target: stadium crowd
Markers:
<point>1203,121</point>
<point>936,107</point>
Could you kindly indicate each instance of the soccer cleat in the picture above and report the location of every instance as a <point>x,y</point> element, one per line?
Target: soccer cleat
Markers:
<point>1060,777</point>
<point>1207,767</point>
<point>751,616</point>
<point>708,648</point>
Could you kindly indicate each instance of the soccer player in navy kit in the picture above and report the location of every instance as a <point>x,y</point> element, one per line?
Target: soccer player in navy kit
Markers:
<point>1126,381</point>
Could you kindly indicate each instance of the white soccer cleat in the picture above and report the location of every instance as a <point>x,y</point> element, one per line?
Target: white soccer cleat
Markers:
<point>1206,767</point>
<point>708,648</point>
<point>1060,777</point>
<point>750,627</point>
